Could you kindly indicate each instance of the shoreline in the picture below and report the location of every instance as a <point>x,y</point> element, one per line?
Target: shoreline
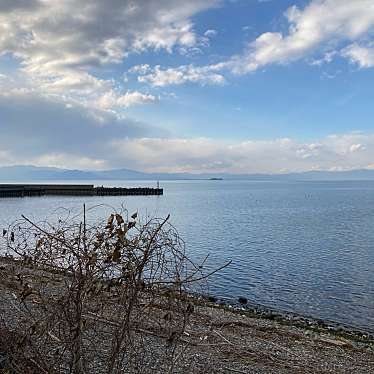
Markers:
<point>223,338</point>
<point>254,310</point>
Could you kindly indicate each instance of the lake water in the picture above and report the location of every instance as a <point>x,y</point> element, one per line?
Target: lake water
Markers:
<point>304,247</point>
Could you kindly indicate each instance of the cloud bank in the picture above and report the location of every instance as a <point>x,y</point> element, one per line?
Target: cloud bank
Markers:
<point>47,130</point>
<point>65,135</point>
<point>335,152</point>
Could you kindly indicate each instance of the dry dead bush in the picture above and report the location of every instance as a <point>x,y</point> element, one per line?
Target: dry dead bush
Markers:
<point>107,297</point>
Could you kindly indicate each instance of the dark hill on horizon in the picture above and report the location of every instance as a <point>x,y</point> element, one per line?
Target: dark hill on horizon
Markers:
<point>23,173</point>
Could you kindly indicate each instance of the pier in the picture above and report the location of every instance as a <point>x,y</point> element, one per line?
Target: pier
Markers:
<point>29,190</point>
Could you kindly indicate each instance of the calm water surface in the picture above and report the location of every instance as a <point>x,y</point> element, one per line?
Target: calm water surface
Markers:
<point>304,247</point>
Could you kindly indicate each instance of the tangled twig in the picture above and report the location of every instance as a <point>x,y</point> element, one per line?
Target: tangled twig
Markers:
<point>98,308</point>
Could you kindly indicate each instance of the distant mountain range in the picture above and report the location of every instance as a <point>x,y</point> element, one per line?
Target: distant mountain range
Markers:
<point>26,173</point>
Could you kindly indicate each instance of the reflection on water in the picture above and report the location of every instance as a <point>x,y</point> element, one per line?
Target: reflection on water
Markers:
<point>306,247</point>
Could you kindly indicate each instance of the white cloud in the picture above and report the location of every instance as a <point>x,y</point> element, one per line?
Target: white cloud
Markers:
<point>356,148</point>
<point>65,161</point>
<point>321,27</point>
<point>210,33</point>
<point>140,69</point>
<point>327,58</point>
<point>112,100</point>
<point>183,74</point>
<point>321,22</point>
<point>361,55</point>
<point>58,47</point>
<point>56,35</point>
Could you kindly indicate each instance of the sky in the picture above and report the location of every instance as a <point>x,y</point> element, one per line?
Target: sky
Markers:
<point>238,86</point>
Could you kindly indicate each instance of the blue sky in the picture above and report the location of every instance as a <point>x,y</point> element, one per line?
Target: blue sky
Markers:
<point>214,85</point>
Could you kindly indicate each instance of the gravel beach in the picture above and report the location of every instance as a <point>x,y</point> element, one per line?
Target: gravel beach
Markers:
<point>220,339</point>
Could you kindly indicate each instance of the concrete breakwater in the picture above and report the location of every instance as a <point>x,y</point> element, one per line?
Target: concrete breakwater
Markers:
<point>29,190</point>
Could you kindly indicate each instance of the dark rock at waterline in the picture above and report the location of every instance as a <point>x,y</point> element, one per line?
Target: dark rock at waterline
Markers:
<point>212,299</point>
<point>243,300</point>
